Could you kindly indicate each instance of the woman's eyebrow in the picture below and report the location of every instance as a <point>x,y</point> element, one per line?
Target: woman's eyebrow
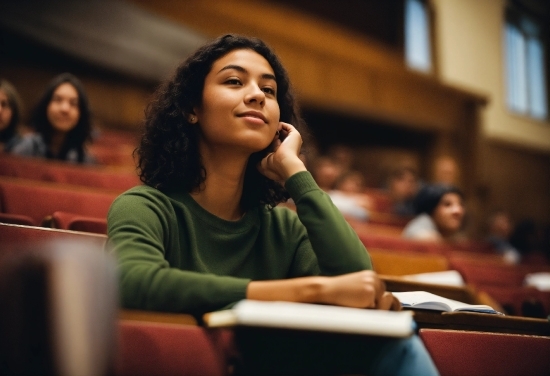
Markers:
<point>268,76</point>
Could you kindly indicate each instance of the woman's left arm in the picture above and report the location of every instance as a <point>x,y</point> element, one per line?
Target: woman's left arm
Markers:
<point>336,245</point>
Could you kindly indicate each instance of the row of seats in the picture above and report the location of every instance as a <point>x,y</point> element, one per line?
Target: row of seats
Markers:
<point>38,200</point>
<point>165,349</point>
<point>119,179</point>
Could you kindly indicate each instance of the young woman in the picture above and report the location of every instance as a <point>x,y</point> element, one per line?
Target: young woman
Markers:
<point>440,214</point>
<point>10,112</point>
<point>61,121</point>
<point>220,149</point>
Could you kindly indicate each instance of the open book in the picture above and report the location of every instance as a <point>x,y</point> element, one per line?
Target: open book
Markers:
<point>426,300</point>
<point>303,316</point>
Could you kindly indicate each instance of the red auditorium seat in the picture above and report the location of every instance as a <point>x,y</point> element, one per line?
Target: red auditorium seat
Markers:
<point>17,219</point>
<point>12,236</point>
<point>488,273</point>
<point>39,200</point>
<point>61,172</point>
<point>150,349</point>
<point>76,222</point>
<point>460,353</point>
<point>520,301</point>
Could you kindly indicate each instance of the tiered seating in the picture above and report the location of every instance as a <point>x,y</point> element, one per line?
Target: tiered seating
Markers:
<point>38,200</point>
<point>505,283</point>
<point>89,176</point>
<point>114,148</point>
<point>76,222</point>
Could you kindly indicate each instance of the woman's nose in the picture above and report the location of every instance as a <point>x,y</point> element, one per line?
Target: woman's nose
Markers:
<point>255,94</point>
<point>65,106</point>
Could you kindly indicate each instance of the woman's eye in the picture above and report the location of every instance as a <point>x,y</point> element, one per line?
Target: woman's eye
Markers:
<point>269,90</point>
<point>233,81</point>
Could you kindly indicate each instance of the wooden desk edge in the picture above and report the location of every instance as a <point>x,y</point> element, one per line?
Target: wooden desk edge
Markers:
<point>482,322</point>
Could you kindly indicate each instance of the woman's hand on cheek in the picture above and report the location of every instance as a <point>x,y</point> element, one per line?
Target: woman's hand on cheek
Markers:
<point>284,161</point>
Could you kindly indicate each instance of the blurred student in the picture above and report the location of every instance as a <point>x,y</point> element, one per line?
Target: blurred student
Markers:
<point>349,195</point>
<point>500,228</point>
<point>343,156</point>
<point>402,186</point>
<point>62,123</point>
<point>10,116</point>
<point>326,172</point>
<point>440,214</point>
<point>446,171</point>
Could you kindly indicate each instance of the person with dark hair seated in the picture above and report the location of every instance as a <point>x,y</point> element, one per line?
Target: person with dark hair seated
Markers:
<point>219,151</point>
<point>10,115</point>
<point>440,214</point>
<point>62,123</point>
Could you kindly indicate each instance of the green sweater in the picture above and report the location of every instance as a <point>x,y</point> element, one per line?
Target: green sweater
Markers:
<point>175,256</point>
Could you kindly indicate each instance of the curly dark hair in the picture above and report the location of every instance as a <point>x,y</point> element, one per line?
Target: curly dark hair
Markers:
<point>168,154</point>
<point>76,137</point>
<point>15,104</point>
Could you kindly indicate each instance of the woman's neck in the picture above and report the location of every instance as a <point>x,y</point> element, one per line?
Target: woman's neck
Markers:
<point>221,192</point>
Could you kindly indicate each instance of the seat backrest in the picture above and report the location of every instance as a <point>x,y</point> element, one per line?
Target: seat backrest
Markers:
<point>147,348</point>
<point>520,301</point>
<point>77,222</point>
<point>62,172</point>
<point>402,263</point>
<point>40,199</point>
<point>490,273</point>
<point>456,352</point>
<point>14,237</point>
<point>17,219</point>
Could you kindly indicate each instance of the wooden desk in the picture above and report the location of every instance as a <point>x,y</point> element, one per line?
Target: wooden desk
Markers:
<point>481,322</point>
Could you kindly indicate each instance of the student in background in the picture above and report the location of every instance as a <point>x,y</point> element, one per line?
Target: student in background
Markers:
<point>440,214</point>
<point>349,195</point>
<point>219,151</point>
<point>326,172</point>
<point>402,186</point>
<point>10,116</point>
<point>62,123</point>
<point>500,229</point>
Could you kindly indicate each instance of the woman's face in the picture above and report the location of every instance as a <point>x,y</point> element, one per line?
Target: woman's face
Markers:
<point>5,111</point>
<point>449,213</point>
<point>239,103</point>
<point>63,112</point>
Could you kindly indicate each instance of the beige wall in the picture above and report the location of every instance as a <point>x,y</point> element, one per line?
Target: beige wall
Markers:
<point>469,41</point>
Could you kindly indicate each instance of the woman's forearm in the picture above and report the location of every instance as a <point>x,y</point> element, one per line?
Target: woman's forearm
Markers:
<point>362,289</point>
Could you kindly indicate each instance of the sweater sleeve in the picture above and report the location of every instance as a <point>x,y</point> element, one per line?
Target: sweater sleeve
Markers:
<point>336,245</point>
<point>142,227</point>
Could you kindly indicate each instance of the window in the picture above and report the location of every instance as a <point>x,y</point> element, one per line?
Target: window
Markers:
<point>526,85</point>
<point>417,36</point>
